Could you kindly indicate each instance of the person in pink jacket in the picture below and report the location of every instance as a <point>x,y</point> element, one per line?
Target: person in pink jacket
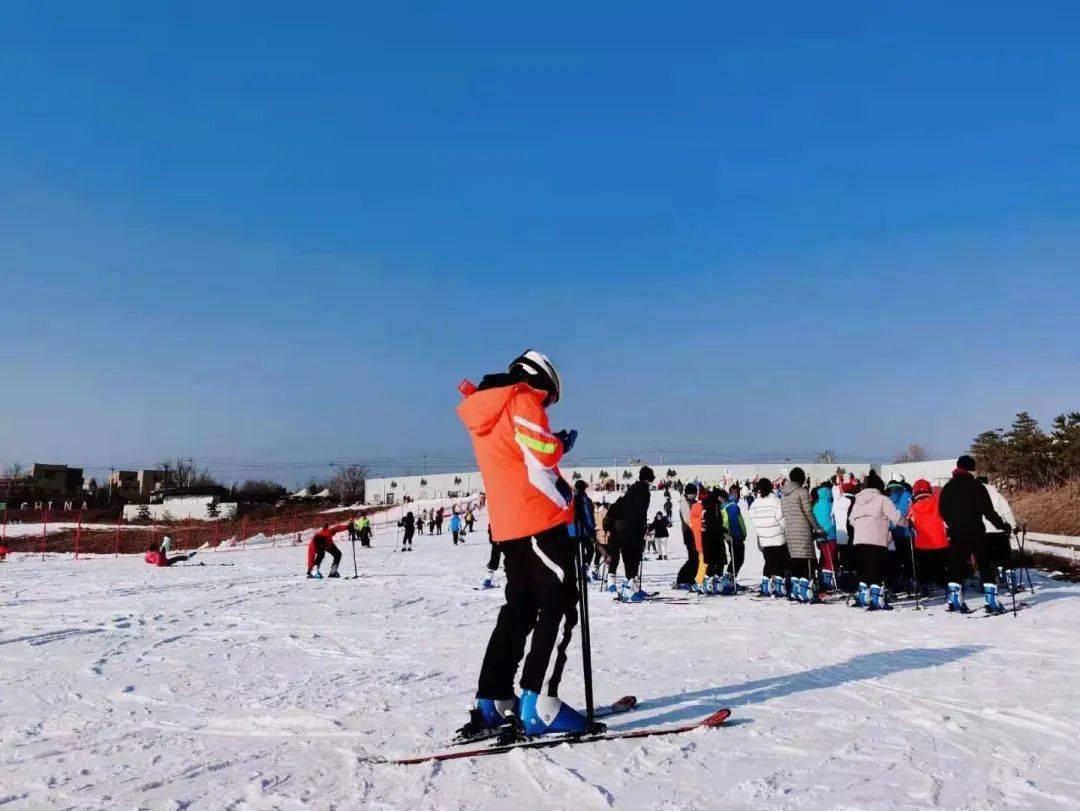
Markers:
<point>870,517</point>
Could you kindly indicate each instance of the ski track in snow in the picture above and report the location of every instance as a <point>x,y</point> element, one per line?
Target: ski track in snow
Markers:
<point>250,687</point>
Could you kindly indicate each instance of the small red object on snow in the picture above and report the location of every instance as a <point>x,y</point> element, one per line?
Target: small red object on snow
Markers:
<point>466,387</point>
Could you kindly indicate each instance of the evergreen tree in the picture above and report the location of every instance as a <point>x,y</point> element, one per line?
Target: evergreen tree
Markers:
<point>1065,440</point>
<point>1028,460</point>
<point>989,450</point>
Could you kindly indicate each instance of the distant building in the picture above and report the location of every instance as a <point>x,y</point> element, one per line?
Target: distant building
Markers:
<point>58,480</point>
<point>136,484</point>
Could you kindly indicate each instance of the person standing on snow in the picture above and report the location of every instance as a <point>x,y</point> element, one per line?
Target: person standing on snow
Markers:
<point>420,516</point>
<point>965,505</point>
<point>997,543</point>
<point>823,512</point>
<point>712,542</point>
<point>364,532</point>
<point>687,575</point>
<point>529,507</point>
<point>321,543</point>
<point>871,517</point>
<point>439,513</point>
<point>736,528</point>
<point>931,538</point>
<point>767,518</point>
<point>455,528</point>
<point>408,523</point>
<point>630,517</point>
<point>583,527</point>
<point>659,527</point>
<point>800,526</point>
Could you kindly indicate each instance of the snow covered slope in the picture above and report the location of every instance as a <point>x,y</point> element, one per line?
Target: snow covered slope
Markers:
<point>239,684</point>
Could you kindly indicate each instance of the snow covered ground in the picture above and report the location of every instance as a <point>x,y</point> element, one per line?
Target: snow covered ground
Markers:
<point>239,684</point>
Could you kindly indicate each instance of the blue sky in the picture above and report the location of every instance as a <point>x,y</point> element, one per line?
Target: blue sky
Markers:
<point>274,234</point>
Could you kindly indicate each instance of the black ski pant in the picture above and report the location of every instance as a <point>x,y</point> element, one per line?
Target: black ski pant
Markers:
<point>715,550</point>
<point>407,538</point>
<point>496,556</point>
<point>631,551</point>
<point>777,561</point>
<point>419,527</point>
<point>588,549</point>
<point>871,563</point>
<point>999,549</point>
<point>438,526</point>
<point>803,567</point>
<point>167,561</point>
<point>932,566</point>
<point>321,550</point>
<point>688,571</point>
<point>365,538</point>
<point>457,536</point>
<point>541,597</point>
<point>966,546</point>
<point>738,552</point>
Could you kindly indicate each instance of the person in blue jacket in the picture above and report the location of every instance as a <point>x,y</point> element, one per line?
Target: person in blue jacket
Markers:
<point>455,528</point>
<point>736,527</point>
<point>900,496</point>
<point>584,526</point>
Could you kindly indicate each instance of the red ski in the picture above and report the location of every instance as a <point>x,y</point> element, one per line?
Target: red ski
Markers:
<point>715,720</point>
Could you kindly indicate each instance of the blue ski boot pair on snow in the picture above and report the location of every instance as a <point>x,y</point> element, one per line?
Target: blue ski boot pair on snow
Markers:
<point>828,580</point>
<point>993,604</point>
<point>777,586</point>
<point>801,590</point>
<point>765,591</point>
<point>532,714</point>
<point>956,599</point>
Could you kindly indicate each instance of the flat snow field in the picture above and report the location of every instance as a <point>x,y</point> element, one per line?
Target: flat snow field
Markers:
<point>240,684</point>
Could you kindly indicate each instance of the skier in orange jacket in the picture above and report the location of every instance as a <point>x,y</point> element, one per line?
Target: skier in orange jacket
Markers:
<point>529,507</point>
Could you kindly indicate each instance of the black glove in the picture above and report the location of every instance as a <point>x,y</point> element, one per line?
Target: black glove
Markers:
<point>568,438</point>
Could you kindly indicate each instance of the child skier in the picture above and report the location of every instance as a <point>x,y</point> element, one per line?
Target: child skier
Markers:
<point>455,528</point>
<point>660,526</point>
<point>529,507</point>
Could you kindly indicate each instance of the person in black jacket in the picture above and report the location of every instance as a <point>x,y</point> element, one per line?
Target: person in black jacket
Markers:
<point>629,516</point>
<point>964,504</point>
<point>712,539</point>
<point>408,523</point>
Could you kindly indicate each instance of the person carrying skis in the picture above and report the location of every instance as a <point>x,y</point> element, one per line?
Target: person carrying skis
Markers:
<point>321,543</point>
<point>965,504</point>
<point>630,516</point>
<point>736,528</point>
<point>687,574</point>
<point>455,528</point>
<point>801,528</point>
<point>529,507</point>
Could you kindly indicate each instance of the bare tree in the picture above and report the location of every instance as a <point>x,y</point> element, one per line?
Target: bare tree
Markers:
<point>13,471</point>
<point>914,453</point>
<point>183,472</point>
<point>348,483</point>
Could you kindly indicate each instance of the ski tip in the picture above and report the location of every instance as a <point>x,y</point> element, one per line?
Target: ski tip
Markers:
<point>625,703</point>
<point>717,718</point>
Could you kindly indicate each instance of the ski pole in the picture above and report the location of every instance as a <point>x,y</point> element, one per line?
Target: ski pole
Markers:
<point>356,574</point>
<point>586,637</point>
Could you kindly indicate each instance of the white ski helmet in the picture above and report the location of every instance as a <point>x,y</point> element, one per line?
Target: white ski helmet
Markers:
<point>539,372</point>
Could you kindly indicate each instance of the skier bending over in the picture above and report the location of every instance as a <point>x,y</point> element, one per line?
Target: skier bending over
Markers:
<point>529,507</point>
<point>321,543</point>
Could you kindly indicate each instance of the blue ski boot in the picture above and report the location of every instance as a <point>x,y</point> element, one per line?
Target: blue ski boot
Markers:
<point>778,586</point>
<point>765,587</point>
<point>803,595</point>
<point>611,587</point>
<point>1001,582</point>
<point>727,585</point>
<point>316,575</point>
<point>990,593</point>
<point>1013,580</point>
<point>828,580</point>
<point>542,715</point>
<point>791,588</point>
<point>862,596</point>
<point>878,599</point>
<point>956,599</point>
<point>488,714</point>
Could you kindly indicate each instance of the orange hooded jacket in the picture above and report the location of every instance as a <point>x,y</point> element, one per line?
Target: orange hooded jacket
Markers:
<point>930,533</point>
<point>518,456</point>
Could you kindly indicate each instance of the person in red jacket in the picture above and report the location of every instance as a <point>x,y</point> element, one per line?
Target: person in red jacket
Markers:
<point>529,508</point>
<point>321,543</point>
<point>157,557</point>
<point>931,539</point>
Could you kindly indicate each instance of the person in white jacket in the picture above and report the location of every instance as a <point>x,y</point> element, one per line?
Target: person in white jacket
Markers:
<point>870,517</point>
<point>997,542</point>
<point>767,519</point>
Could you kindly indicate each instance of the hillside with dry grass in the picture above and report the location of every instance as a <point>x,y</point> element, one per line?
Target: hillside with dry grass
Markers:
<point>1054,510</point>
